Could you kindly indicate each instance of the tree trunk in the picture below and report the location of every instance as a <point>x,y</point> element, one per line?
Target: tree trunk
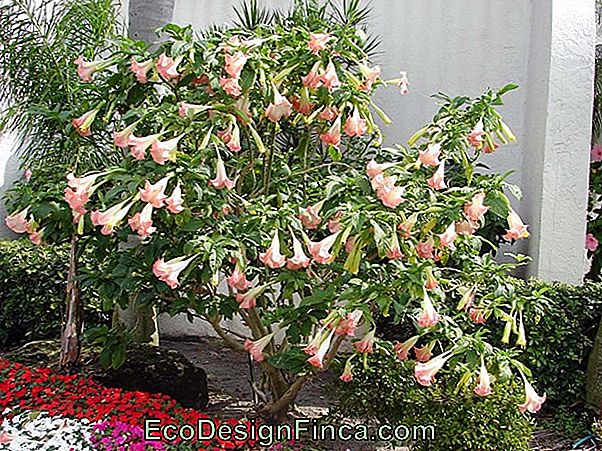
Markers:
<point>594,374</point>
<point>74,315</point>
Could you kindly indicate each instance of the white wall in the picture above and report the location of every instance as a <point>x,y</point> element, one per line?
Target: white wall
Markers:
<point>9,172</point>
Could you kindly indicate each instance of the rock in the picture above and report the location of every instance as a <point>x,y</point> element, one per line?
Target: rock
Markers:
<point>147,368</point>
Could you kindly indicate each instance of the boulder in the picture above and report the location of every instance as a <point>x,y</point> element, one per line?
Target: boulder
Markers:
<point>147,368</point>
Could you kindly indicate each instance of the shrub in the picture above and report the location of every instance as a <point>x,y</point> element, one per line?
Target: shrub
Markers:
<point>32,292</point>
<point>385,390</point>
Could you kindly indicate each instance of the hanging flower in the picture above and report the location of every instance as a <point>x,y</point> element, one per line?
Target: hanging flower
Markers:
<point>425,249</point>
<point>390,194</point>
<point>317,360</point>
<point>373,168</point>
<point>394,251</point>
<point>466,227</point>
<point>329,113</point>
<point>591,242</point>
<point>334,224</point>
<point>234,141</point>
<point>168,67</point>
<point>355,125</point>
<point>174,202</point>
<point>139,145</point>
<point>154,194</point>
<point>248,300</point>
<point>424,353</point>
<point>235,64</point>
<point>371,74</point>
<point>230,86</point>
<point>425,372</point>
<point>83,123</point>
<point>475,210</point>
<point>347,375</point>
<point>476,315</point>
<point>310,217</point>
<point>437,181</point>
<point>163,151</point>
<point>27,174</point>
<point>303,105</point>
<point>272,257</point>
<point>110,218</point>
<point>320,251</point>
<point>186,109</point>
<point>533,401</point>
<point>318,41</point>
<point>347,325</point>
<point>330,78</point>
<point>141,69</point>
<point>431,283</point>
<point>299,260</point>
<point>86,69</point>
<point>122,138</point>
<point>169,271</point>
<point>313,79</point>
<point>402,350</point>
<point>238,280</point>
<point>255,348</point>
<point>429,317</point>
<point>333,135</point>
<point>448,237</point>
<point>279,108</point>
<point>17,222</point>
<point>483,387</point>
<point>366,344</point>
<point>406,227</point>
<point>430,155</point>
<point>516,229</point>
<point>403,83</point>
<point>142,222</point>
<point>221,179</point>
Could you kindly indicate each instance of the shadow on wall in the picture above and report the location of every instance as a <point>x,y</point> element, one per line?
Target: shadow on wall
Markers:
<point>9,173</point>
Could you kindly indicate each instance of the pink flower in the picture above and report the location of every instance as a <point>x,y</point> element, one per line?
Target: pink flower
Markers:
<point>18,222</point>
<point>389,194</point>
<point>174,202</point>
<point>394,251</point>
<point>313,79</point>
<point>122,138</point>
<point>329,113</point>
<point>238,280</point>
<point>235,64</point>
<point>221,179</point>
<point>403,83</point>
<point>347,375</point>
<point>334,224</point>
<point>365,345</point>
<point>190,109</point>
<point>371,74</point>
<point>425,372</point>
<point>466,227</point>
<point>248,300</point>
<point>448,237</point>
<point>272,257</point>
<point>533,401</point>
<point>477,136</point>
<point>431,282</point>
<point>591,243</point>
<point>425,249</point>
<point>423,354</point>
<point>333,135</point>
<point>310,217</point>
<point>168,272</point>
<point>475,210</point>
<point>483,387</point>
<point>299,260</point>
<point>303,105</point>
<point>430,156</point>
<point>402,350</point>
<point>83,123</point>
<point>5,438</point>
<point>373,168</point>
<point>406,227</point>
<point>230,86</point>
<point>85,69</point>
<point>168,67</point>
<point>255,348</point>
<point>142,222</point>
<point>318,359</point>
<point>318,41</point>
<point>234,141</point>
<point>330,78</point>
<point>27,174</point>
<point>347,325</point>
<point>355,125</point>
<point>320,251</point>
<point>476,315</point>
<point>516,229</point>
<point>437,181</point>
<point>487,149</point>
<point>596,153</point>
<point>110,218</point>
<point>429,317</point>
<point>279,108</point>
<point>163,151</point>
<point>154,194</point>
<point>139,145</point>
<point>141,69</point>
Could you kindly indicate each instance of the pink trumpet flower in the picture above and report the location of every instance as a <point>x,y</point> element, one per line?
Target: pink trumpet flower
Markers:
<point>437,181</point>
<point>403,83</point>
<point>476,315</point>
<point>27,174</point>
<point>142,222</point>
<point>154,194</point>
<point>402,350</point>
<point>355,125</point>
<point>318,41</point>
<point>371,74</point>
<point>238,280</point>
<point>533,401</point>
<point>234,141</point>
<point>366,344</point>
<point>235,64</point>
<point>279,108</point>
<point>448,237</point>
<point>110,218</point>
<point>169,271</point>
<point>17,222</point>
<point>272,257</point>
<point>83,123</point>
<point>329,113</point>
<point>516,229</point>
<point>394,251</point>
<point>424,353</point>
<point>313,79</point>
<point>388,193</point>
<point>221,179</point>
<point>163,151</point>
<point>140,70</point>
<point>373,168</point>
<point>483,387</point>
<point>122,138</point>
<point>230,86</point>
<point>174,202</point>
<point>139,145</point>
<point>248,300</point>
<point>475,210</point>
<point>320,251</point>
<point>431,282</point>
<point>347,375</point>
<point>429,317</point>
<point>317,360</point>
<point>86,69</point>
<point>36,237</point>
<point>430,155</point>
<point>299,260</point>
<point>476,137</point>
<point>333,135</point>
<point>190,109</point>
<point>310,217</point>
<point>330,78</point>
<point>255,348</point>
<point>347,325</point>
<point>466,227</point>
<point>425,372</point>
<point>168,67</point>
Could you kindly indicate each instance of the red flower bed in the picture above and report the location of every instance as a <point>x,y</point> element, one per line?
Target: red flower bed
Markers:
<point>40,389</point>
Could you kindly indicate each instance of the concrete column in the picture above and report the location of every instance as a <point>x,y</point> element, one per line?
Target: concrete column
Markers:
<point>557,138</point>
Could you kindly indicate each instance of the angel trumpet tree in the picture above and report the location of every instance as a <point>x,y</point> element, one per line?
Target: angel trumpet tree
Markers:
<point>239,243</point>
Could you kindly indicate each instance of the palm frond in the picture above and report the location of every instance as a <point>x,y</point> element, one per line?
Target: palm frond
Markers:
<point>351,12</point>
<point>250,15</point>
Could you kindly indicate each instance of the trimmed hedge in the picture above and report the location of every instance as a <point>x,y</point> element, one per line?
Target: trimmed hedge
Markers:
<point>32,292</point>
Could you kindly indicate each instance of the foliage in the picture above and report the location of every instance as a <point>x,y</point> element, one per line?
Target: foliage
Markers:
<point>384,389</point>
<point>283,105</point>
<point>32,292</point>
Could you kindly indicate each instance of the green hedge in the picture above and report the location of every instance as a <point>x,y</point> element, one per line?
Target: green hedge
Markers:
<point>385,390</point>
<point>32,292</point>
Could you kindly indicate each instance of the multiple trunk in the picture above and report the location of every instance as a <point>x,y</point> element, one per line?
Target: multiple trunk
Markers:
<point>74,315</point>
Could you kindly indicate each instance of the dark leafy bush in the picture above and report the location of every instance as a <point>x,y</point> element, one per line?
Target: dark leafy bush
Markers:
<point>32,292</point>
<point>385,390</point>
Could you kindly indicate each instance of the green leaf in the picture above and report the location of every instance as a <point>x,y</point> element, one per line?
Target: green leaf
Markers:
<point>293,361</point>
